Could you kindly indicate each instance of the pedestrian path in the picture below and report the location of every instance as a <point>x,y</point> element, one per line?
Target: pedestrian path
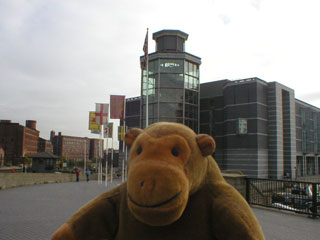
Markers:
<point>35,212</point>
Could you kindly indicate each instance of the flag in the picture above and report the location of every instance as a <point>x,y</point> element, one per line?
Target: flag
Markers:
<point>102,113</point>
<point>121,133</point>
<point>117,107</point>
<point>93,126</point>
<point>145,50</point>
<point>108,130</point>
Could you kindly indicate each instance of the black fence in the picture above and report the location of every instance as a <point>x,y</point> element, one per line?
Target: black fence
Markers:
<point>299,197</point>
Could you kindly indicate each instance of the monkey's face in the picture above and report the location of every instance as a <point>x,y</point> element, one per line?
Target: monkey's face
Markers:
<point>167,163</point>
<point>158,186</point>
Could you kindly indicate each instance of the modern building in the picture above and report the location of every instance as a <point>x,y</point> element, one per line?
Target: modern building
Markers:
<point>260,128</point>
<point>308,139</point>
<point>133,112</point>
<point>172,90</point>
<point>18,141</point>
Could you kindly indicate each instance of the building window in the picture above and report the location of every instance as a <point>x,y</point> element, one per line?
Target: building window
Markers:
<point>303,117</point>
<point>310,166</point>
<point>299,166</point>
<point>242,126</point>
<point>171,66</point>
<point>304,141</point>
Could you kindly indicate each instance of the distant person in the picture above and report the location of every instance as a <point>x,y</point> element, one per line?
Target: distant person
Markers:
<point>77,174</point>
<point>88,172</point>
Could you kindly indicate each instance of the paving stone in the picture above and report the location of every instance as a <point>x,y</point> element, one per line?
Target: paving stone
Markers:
<point>35,212</point>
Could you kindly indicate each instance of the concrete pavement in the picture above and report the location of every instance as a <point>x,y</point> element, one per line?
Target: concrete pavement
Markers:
<point>35,212</point>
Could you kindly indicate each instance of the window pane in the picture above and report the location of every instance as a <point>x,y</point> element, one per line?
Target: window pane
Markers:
<point>171,95</point>
<point>153,66</point>
<point>170,110</point>
<point>190,69</point>
<point>186,64</point>
<point>191,96</point>
<point>197,71</point>
<point>153,111</point>
<point>186,81</point>
<point>171,80</point>
<point>171,66</point>
<point>196,84</point>
<point>191,112</point>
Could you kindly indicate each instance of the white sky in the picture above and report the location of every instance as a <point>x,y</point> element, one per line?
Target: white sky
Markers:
<point>59,57</point>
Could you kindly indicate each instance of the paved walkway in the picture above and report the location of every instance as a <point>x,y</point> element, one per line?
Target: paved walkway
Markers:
<point>35,212</point>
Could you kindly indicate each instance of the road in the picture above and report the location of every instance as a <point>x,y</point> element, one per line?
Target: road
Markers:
<point>35,212</point>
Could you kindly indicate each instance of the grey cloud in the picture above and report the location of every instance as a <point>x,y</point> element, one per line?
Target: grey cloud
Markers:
<point>256,4</point>
<point>226,20</point>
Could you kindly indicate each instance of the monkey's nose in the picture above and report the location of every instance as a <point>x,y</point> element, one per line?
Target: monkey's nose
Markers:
<point>148,184</point>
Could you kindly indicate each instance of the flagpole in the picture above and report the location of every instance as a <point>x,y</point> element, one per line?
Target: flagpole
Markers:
<point>85,153</point>
<point>123,142</point>
<point>106,178</point>
<point>111,157</point>
<point>100,160</point>
<point>126,161</point>
<point>147,92</point>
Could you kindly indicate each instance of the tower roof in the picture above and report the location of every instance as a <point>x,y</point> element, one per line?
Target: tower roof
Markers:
<point>170,32</point>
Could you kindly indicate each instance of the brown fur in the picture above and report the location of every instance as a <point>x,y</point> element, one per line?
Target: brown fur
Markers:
<point>175,190</point>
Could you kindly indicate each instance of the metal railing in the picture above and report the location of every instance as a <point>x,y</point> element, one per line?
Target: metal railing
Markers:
<point>295,196</point>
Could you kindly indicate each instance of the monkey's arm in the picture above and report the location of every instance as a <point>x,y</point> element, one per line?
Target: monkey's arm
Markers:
<point>98,219</point>
<point>232,217</point>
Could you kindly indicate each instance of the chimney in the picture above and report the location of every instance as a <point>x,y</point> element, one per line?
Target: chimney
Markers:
<point>31,124</point>
<point>52,135</point>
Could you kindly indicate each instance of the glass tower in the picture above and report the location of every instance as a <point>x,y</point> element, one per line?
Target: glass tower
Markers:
<point>173,93</point>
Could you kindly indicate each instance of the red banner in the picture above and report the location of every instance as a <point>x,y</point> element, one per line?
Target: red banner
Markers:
<point>117,107</point>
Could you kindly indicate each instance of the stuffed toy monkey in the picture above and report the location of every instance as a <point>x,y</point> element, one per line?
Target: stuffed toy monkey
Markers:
<point>175,190</point>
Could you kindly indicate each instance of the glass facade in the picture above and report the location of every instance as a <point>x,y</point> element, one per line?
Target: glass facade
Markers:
<point>173,93</point>
<point>172,82</point>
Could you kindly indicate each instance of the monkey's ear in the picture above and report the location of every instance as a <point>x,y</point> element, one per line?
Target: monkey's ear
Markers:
<point>131,135</point>
<point>206,144</point>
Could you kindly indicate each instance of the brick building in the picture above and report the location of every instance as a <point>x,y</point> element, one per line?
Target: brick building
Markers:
<point>94,149</point>
<point>75,148</point>
<point>45,146</point>
<point>1,157</point>
<point>18,141</point>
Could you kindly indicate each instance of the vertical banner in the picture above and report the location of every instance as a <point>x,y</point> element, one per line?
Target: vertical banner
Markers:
<point>121,133</point>
<point>108,130</point>
<point>117,107</point>
<point>93,126</point>
<point>102,113</point>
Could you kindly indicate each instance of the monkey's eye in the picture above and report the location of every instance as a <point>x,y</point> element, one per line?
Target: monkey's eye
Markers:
<point>175,152</point>
<point>139,150</point>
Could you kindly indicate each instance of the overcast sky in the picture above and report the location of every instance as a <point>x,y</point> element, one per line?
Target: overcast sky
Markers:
<point>59,57</point>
